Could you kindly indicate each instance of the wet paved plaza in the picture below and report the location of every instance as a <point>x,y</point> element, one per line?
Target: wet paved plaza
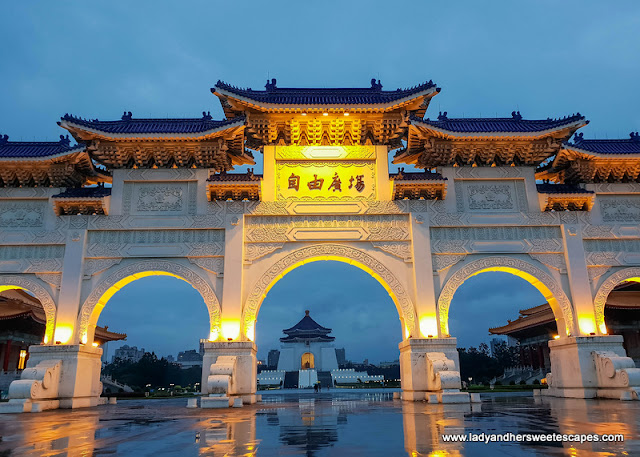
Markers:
<point>358,423</point>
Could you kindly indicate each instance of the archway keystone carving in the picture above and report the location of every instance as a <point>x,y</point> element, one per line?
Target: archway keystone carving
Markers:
<point>490,263</point>
<point>337,252</point>
<point>176,269</point>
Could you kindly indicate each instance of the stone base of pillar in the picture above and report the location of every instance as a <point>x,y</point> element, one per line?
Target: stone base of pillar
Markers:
<point>246,368</point>
<point>60,376</point>
<point>22,405</point>
<point>590,367</point>
<point>216,401</point>
<point>418,379</point>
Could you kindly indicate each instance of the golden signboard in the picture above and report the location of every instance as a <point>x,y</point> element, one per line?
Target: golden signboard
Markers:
<point>325,173</point>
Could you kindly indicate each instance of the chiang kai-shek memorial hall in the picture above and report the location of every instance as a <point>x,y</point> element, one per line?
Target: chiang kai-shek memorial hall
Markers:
<point>129,198</point>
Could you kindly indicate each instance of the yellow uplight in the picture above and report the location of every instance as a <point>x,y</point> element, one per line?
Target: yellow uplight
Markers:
<point>95,344</point>
<point>346,114</point>
<point>325,114</point>
<point>215,332</point>
<point>250,331</point>
<point>230,329</point>
<point>428,326</point>
<point>63,334</point>
<point>556,337</point>
<point>587,325</point>
<point>603,328</point>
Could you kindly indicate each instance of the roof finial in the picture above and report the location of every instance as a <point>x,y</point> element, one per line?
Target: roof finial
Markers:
<point>635,136</point>
<point>516,115</point>
<point>271,85</point>
<point>577,138</point>
<point>306,312</point>
<point>126,116</point>
<point>4,139</point>
<point>376,85</point>
<point>65,140</point>
<point>442,116</point>
<point>206,116</point>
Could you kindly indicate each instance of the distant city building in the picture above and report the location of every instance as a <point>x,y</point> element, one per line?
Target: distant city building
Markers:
<point>170,359</point>
<point>126,352</point>
<point>307,357</point>
<point>391,363</point>
<point>272,358</point>
<point>494,343</point>
<point>190,358</point>
<point>341,357</point>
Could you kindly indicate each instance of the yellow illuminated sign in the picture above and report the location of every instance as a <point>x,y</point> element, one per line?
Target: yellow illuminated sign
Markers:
<point>321,173</point>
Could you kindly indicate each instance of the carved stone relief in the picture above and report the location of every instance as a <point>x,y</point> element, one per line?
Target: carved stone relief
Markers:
<point>95,266</point>
<point>22,213</point>
<point>490,197</point>
<point>53,279</point>
<point>616,209</point>
<point>596,272</point>
<point>555,261</point>
<point>254,251</point>
<point>442,262</point>
<point>496,239</point>
<point>214,265</point>
<point>400,249</point>
<point>167,198</point>
<point>155,243</point>
<point>488,172</point>
<point>370,228</point>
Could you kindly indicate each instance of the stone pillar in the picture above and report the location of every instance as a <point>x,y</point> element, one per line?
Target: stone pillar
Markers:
<point>413,364</point>
<point>425,294</point>
<point>574,373</point>
<point>579,283</point>
<point>70,288</point>
<point>232,285</point>
<point>79,385</point>
<point>246,365</point>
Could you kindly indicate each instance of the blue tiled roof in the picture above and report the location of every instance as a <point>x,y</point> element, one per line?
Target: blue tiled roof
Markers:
<point>235,177</point>
<point>34,149</point>
<point>128,125</point>
<point>85,192</point>
<point>320,96</point>
<point>515,123</point>
<point>307,324</point>
<point>548,188</point>
<point>620,146</point>
<point>416,176</point>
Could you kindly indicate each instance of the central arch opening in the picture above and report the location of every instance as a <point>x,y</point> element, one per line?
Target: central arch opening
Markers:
<point>331,318</point>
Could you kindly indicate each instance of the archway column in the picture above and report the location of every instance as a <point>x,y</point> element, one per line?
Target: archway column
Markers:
<point>246,366</point>
<point>423,285</point>
<point>579,283</point>
<point>70,289</point>
<point>231,305</point>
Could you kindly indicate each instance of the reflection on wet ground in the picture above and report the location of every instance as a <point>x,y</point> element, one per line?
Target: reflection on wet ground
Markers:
<point>359,423</point>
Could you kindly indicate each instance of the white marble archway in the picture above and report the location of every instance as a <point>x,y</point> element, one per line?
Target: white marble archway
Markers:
<point>100,295</point>
<point>340,253</point>
<point>605,289</point>
<point>550,289</point>
<point>48,304</point>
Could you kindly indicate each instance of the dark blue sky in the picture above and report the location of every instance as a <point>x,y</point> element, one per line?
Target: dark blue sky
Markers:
<point>159,58</point>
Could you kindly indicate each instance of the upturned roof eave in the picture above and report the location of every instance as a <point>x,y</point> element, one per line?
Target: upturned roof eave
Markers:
<point>76,150</point>
<point>574,125</point>
<point>599,155</point>
<point>275,107</point>
<point>75,128</point>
